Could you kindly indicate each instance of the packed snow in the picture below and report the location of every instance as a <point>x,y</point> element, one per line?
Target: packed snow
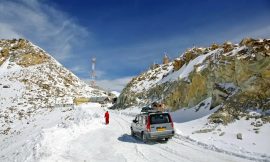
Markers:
<point>80,134</point>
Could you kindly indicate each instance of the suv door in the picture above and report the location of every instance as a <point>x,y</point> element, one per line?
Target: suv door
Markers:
<point>135,125</point>
<point>141,123</point>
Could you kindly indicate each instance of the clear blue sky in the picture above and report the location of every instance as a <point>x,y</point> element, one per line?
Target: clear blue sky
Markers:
<point>126,36</point>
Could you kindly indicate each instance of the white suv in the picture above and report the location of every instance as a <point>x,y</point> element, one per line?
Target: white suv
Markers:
<point>152,125</point>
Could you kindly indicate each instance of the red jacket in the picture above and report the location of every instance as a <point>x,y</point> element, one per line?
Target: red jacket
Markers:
<point>107,115</point>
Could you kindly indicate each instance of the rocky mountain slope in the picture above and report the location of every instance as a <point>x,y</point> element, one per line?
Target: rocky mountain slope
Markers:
<point>32,82</point>
<point>235,77</point>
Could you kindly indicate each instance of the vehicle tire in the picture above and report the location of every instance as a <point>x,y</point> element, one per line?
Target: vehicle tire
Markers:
<point>132,132</point>
<point>144,138</point>
<point>166,139</point>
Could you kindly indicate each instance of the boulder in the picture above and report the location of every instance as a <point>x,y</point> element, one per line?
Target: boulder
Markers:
<point>222,134</point>
<point>239,136</point>
<point>227,46</point>
<point>247,42</point>
<point>177,64</point>
<point>5,52</point>
<point>189,56</point>
<point>258,124</point>
<point>214,46</point>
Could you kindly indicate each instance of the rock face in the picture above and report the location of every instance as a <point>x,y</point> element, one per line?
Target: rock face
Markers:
<point>237,77</point>
<point>32,81</point>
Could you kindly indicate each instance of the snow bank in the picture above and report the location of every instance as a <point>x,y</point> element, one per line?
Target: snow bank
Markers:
<point>192,124</point>
<point>56,139</point>
<point>196,112</point>
<point>223,138</point>
<point>37,139</point>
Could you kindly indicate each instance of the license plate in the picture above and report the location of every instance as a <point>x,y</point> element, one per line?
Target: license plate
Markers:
<point>161,129</point>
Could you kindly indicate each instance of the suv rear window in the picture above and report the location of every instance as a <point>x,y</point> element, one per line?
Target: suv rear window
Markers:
<point>159,118</point>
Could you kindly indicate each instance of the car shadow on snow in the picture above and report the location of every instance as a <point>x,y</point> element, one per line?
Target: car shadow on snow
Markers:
<point>131,139</point>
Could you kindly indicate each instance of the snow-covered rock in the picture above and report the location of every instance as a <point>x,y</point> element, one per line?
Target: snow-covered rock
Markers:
<point>115,93</point>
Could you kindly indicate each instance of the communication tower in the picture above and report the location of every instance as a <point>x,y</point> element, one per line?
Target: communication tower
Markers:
<point>93,72</point>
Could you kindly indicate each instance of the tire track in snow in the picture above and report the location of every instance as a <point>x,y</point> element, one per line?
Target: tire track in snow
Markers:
<point>173,151</point>
<point>195,145</point>
<point>165,156</point>
<point>263,158</point>
<point>142,155</point>
<point>138,152</point>
<point>160,147</point>
<point>118,123</point>
<point>183,143</point>
<point>154,149</point>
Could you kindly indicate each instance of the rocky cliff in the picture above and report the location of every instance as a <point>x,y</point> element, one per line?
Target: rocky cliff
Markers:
<point>235,76</point>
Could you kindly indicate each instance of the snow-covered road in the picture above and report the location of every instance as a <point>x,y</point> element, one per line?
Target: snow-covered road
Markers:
<point>92,140</point>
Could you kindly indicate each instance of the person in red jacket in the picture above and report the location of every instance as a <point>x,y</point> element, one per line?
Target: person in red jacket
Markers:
<point>107,117</point>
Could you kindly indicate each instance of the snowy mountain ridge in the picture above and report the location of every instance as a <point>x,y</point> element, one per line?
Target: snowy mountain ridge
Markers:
<point>32,82</point>
<point>219,71</point>
<point>192,59</point>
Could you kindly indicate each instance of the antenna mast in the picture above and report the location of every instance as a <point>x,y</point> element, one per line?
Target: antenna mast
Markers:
<point>93,72</point>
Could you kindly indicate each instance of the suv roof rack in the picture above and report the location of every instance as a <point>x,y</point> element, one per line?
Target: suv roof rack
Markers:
<point>151,111</point>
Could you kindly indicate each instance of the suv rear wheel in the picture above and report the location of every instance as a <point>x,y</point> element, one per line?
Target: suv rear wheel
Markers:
<point>144,138</point>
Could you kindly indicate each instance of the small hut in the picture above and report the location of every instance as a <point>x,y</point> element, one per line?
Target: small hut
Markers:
<point>166,59</point>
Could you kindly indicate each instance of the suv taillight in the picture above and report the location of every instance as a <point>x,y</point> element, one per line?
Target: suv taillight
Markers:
<point>171,121</point>
<point>148,124</point>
